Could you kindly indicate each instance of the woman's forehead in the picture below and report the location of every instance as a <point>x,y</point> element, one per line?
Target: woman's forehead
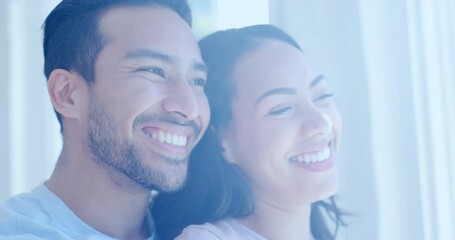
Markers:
<point>272,63</point>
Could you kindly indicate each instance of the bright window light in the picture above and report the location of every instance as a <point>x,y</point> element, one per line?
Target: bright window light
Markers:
<point>240,13</point>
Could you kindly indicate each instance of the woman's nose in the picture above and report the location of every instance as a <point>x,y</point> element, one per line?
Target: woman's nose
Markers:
<point>317,124</point>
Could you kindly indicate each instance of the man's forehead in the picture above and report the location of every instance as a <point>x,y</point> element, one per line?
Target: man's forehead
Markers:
<point>127,17</point>
<point>140,35</point>
<point>156,28</point>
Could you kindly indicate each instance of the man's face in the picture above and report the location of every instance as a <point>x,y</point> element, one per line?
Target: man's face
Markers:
<point>147,108</point>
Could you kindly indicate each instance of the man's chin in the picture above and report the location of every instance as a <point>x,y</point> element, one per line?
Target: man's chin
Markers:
<point>168,188</point>
<point>168,180</point>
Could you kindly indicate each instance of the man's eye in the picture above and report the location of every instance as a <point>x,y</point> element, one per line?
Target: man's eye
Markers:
<point>281,110</point>
<point>198,82</point>
<point>154,70</point>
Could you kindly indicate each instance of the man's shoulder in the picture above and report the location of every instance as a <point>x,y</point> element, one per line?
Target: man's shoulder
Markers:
<point>26,216</point>
<point>30,204</point>
<point>41,214</point>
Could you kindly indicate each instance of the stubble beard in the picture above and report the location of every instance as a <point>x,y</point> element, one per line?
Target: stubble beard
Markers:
<point>122,160</point>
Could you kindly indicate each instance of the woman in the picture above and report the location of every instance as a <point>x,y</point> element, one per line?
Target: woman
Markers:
<point>268,158</point>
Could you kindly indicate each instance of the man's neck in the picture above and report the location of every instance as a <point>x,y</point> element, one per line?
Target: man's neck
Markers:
<point>89,191</point>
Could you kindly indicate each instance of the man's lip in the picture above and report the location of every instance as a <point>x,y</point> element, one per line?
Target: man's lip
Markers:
<point>166,148</point>
<point>168,123</point>
<point>176,129</point>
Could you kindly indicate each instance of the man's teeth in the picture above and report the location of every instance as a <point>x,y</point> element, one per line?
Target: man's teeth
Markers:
<point>170,138</point>
<point>313,157</point>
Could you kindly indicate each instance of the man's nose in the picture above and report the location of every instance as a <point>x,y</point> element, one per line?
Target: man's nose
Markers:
<point>182,100</point>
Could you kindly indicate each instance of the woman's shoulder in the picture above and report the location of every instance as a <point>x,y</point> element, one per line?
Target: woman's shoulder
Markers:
<point>205,231</point>
<point>227,229</point>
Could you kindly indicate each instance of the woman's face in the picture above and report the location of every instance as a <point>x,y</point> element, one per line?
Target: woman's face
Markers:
<point>285,127</point>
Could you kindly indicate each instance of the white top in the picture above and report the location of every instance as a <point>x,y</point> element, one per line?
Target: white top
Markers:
<point>227,229</point>
<point>40,214</point>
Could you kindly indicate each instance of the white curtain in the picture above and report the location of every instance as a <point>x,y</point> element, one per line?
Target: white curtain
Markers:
<point>393,66</point>
<point>410,54</point>
<point>432,30</point>
<point>4,109</point>
<point>29,132</point>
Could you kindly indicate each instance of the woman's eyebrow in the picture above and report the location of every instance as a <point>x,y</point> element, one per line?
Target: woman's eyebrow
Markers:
<point>289,91</point>
<point>316,80</point>
<point>275,91</point>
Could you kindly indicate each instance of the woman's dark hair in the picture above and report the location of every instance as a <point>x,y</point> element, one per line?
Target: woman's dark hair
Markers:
<point>216,189</point>
<point>72,38</point>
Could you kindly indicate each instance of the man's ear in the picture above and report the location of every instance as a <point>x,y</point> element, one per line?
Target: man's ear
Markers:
<point>68,92</point>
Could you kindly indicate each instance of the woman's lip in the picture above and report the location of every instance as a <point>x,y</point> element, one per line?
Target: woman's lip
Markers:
<point>321,165</point>
<point>306,148</point>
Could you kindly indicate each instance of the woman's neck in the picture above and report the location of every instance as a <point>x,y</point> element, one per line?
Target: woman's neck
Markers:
<point>275,223</point>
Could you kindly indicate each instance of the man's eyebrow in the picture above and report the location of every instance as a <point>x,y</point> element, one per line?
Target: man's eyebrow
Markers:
<point>148,53</point>
<point>200,67</point>
<point>275,91</point>
<point>316,80</point>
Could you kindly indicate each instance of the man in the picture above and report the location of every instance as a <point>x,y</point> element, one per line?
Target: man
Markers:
<point>126,80</point>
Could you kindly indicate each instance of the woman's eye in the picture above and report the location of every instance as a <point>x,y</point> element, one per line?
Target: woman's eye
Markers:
<point>323,97</point>
<point>281,110</point>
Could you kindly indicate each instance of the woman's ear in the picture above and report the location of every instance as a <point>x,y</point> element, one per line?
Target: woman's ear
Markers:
<point>227,148</point>
<point>66,90</point>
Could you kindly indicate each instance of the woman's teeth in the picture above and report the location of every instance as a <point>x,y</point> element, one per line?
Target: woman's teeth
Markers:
<point>170,138</point>
<point>313,157</point>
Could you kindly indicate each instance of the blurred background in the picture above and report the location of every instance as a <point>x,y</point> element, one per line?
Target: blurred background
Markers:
<point>392,67</point>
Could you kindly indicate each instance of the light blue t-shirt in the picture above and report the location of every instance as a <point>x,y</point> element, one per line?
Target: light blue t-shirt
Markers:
<point>40,214</point>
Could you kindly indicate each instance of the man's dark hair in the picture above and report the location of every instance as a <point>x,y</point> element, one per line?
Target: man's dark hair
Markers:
<point>72,40</point>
